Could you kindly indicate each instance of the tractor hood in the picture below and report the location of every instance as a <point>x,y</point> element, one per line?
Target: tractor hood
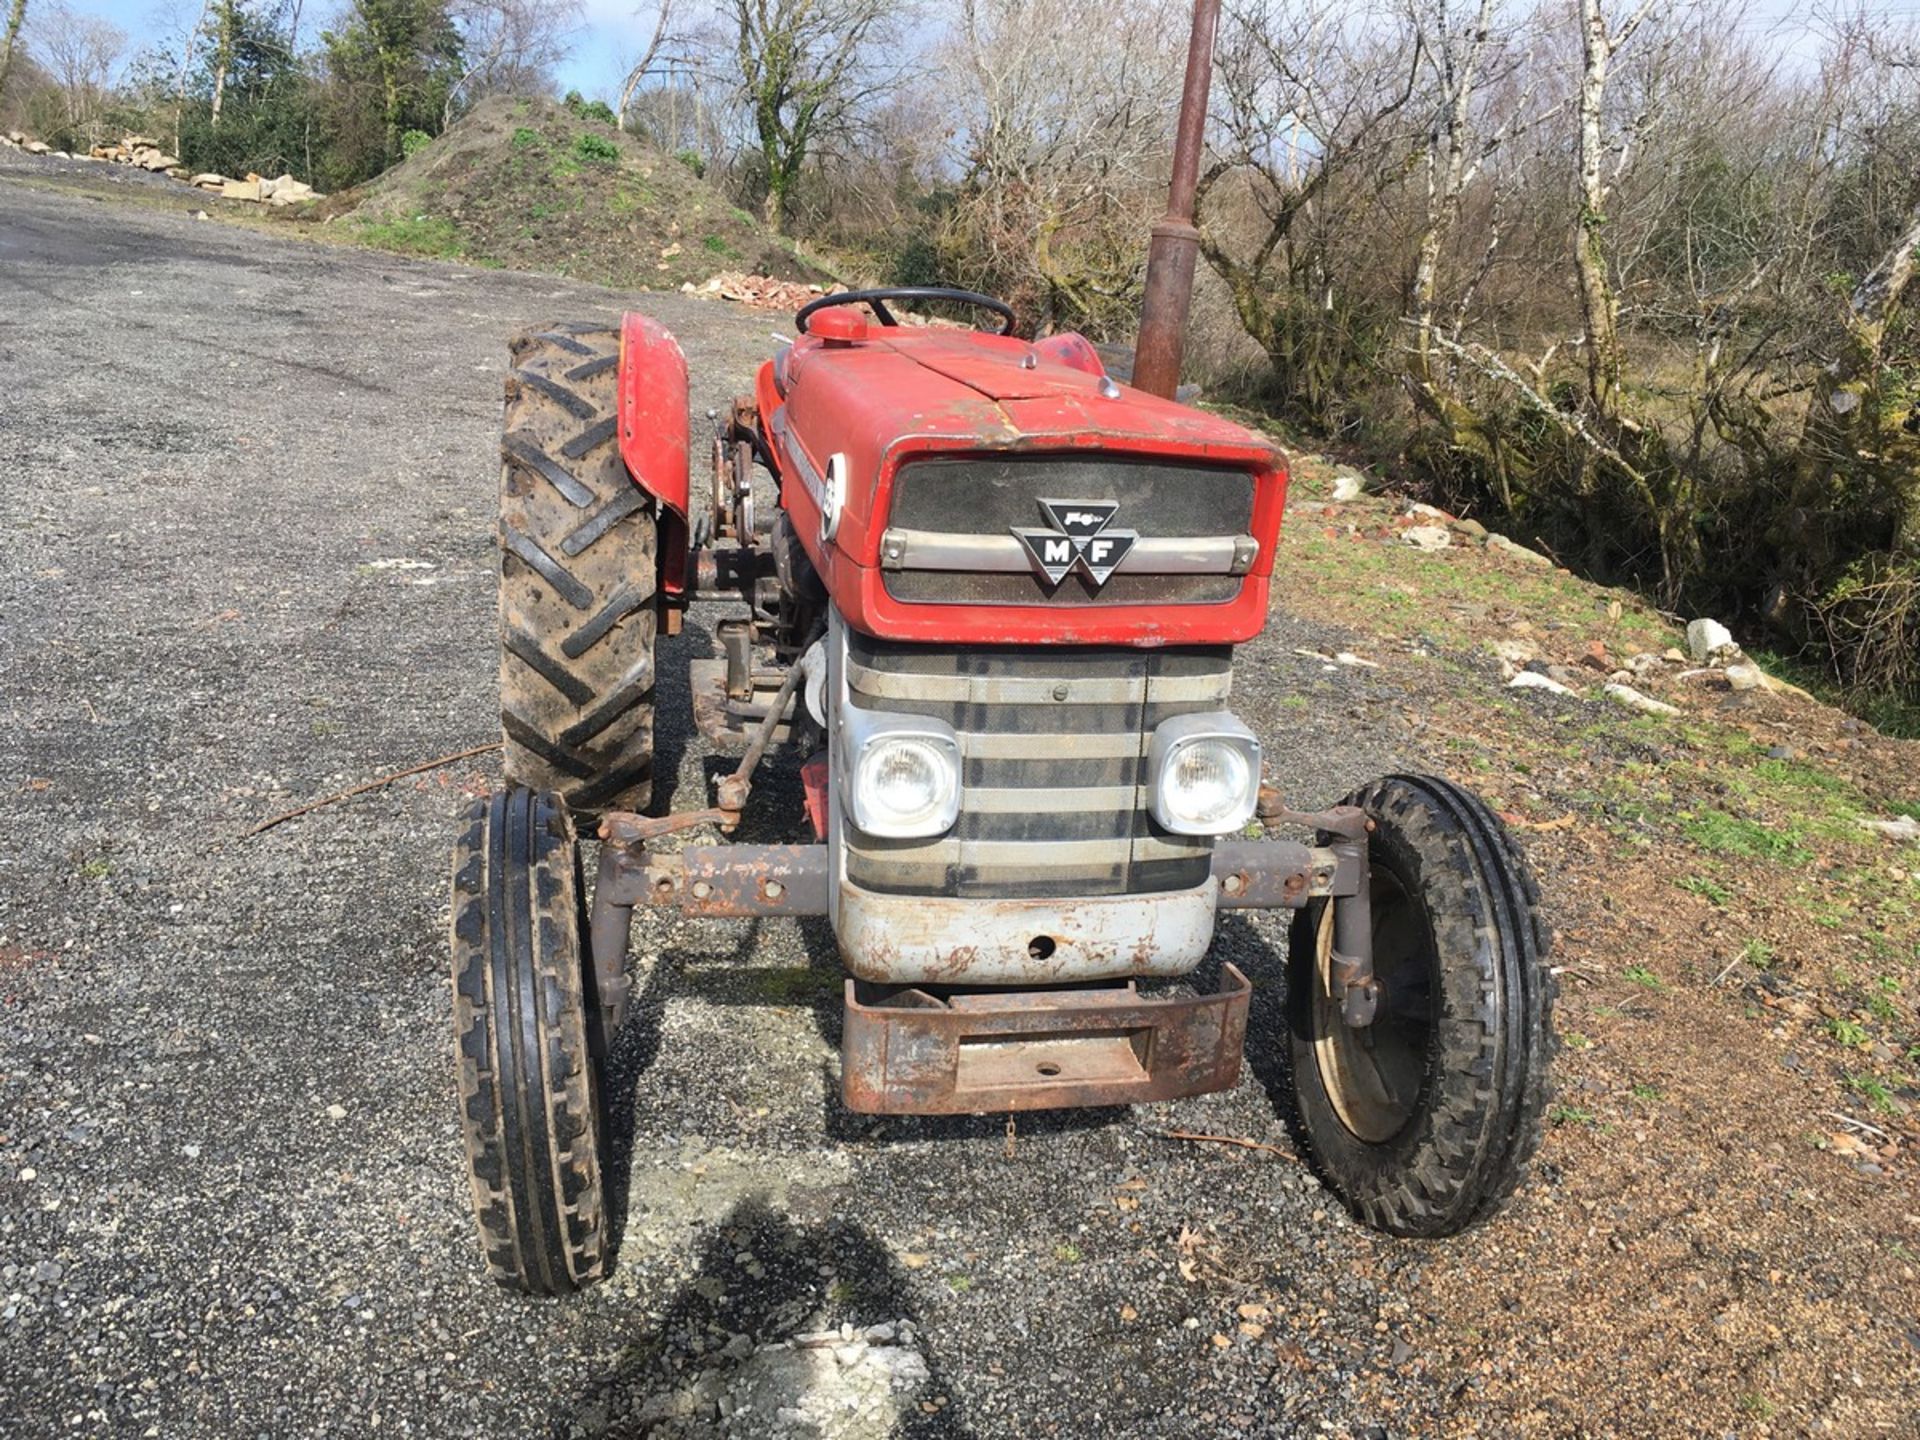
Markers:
<point>980,392</point>
<point>843,416</point>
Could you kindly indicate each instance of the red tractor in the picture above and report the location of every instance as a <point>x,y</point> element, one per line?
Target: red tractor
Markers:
<point>995,609</point>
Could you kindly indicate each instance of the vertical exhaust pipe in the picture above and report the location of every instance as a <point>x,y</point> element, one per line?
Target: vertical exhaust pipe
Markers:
<point>1176,243</point>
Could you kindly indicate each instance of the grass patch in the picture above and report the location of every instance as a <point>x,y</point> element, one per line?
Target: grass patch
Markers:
<point>1706,889</point>
<point>525,139</point>
<point>1641,975</point>
<point>430,235</point>
<point>1850,1033</point>
<point>1726,834</point>
<point>1873,1092</point>
<point>591,149</point>
<point>1568,1115</point>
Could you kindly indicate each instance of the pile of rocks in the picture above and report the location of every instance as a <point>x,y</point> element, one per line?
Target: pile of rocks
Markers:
<point>141,150</point>
<point>259,189</point>
<point>144,152</point>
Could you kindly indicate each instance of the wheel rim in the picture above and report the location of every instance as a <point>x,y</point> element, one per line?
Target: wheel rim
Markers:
<point>1375,1075</point>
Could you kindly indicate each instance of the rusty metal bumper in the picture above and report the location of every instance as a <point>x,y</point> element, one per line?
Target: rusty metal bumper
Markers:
<point>923,1033</point>
<point>908,1051</point>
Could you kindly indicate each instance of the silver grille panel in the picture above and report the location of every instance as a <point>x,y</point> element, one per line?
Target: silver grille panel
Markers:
<point>949,538</point>
<point>1053,740</point>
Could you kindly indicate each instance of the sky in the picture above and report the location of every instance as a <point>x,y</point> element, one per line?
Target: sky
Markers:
<point>611,31</point>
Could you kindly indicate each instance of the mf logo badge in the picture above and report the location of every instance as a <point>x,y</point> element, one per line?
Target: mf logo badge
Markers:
<point>1079,536</point>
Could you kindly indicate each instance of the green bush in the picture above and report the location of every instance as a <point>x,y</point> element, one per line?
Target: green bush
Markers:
<point>413,142</point>
<point>915,262</point>
<point>590,109</point>
<point>525,139</point>
<point>692,160</point>
<point>595,149</point>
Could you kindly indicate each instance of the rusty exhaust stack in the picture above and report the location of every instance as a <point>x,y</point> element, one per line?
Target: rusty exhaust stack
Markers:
<point>1176,243</point>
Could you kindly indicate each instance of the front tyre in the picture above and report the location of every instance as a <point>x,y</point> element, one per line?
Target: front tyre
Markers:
<point>529,1081</point>
<point>1424,1121</point>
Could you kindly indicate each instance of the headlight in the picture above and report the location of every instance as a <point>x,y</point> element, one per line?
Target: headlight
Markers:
<point>902,774</point>
<point>1203,775</point>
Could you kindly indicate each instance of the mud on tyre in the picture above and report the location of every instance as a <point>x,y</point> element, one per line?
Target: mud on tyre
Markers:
<point>523,1012</point>
<point>578,575</point>
<point>1424,1121</point>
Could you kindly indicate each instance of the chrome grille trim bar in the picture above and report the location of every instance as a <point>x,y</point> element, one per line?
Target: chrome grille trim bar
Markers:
<point>902,549</point>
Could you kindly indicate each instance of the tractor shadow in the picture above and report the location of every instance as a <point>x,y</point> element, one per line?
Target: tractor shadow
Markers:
<point>728,1337</point>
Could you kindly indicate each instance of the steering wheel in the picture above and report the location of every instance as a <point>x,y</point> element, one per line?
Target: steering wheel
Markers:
<point>878,300</point>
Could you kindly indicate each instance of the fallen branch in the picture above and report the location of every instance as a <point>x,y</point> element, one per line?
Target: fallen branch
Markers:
<point>1861,1125</point>
<point>1240,1140</point>
<point>361,789</point>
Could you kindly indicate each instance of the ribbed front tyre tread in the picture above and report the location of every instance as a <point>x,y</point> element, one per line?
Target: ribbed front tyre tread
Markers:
<point>1466,1148</point>
<point>578,570</point>
<point>529,1085</point>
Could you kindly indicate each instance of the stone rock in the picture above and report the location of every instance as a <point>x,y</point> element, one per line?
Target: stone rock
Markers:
<point>1514,652</point>
<point>1531,680</point>
<point>240,190</point>
<point>1904,828</point>
<point>1472,529</point>
<point>1631,698</point>
<point>1429,512</point>
<point>1673,655</point>
<point>1427,537</point>
<point>152,158</point>
<point>37,147</point>
<point>140,142</point>
<point>1516,550</point>
<point>1347,485</point>
<point>208,180</point>
<point>1645,663</point>
<point>1709,642</point>
<point>1595,657</point>
<point>285,191</point>
<point>1744,677</point>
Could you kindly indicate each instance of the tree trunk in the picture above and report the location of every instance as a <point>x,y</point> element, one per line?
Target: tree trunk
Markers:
<point>1599,306</point>
<point>16,17</point>
<point>223,48</point>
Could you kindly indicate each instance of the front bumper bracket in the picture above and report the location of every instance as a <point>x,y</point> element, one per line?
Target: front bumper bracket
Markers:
<point>907,1051</point>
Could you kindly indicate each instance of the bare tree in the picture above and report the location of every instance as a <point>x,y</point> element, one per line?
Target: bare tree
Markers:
<point>642,67</point>
<point>1316,128</point>
<point>805,68</point>
<point>1060,120</point>
<point>81,53</point>
<point>506,45</point>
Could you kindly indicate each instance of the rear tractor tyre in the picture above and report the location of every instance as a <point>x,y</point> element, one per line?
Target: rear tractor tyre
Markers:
<point>524,1017</point>
<point>1423,1121</point>
<point>578,578</point>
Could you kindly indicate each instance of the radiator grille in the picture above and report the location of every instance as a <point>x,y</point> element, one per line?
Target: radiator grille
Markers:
<point>1053,742</point>
<point>989,494</point>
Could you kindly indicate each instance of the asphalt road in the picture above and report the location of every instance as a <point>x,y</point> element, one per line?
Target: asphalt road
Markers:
<point>246,560</point>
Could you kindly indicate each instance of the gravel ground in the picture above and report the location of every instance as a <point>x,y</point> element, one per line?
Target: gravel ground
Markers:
<point>247,561</point>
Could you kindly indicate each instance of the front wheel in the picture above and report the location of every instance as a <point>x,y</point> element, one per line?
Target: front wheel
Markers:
<point>1423,1121</point>
<point>528,1077</point>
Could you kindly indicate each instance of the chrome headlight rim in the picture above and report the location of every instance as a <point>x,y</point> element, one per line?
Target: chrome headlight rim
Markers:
<point>1175,738</point>
<point>865,739</point>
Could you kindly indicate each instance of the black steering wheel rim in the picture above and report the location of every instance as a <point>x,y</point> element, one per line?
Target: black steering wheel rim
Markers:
<point>877,299</point>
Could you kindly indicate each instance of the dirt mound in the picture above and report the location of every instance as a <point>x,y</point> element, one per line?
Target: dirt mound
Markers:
<point>531,185</point>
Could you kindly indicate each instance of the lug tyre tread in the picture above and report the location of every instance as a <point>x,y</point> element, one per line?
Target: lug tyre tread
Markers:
<point>578,578</point>
<point>1466,1149</point>
<point>529,1085</point>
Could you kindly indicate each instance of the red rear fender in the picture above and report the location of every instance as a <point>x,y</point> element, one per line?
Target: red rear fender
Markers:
<point>653,433</point>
